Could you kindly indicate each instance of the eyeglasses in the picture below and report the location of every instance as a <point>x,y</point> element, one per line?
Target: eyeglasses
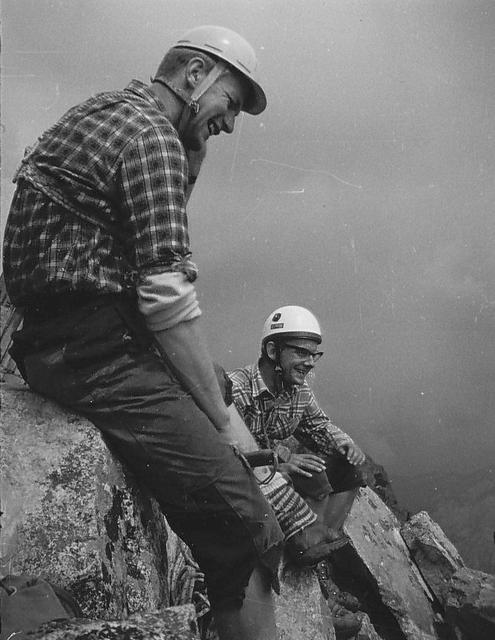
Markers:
<point>304,354</point>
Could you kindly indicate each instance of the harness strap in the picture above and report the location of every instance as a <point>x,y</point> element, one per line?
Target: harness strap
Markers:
<point>192,105</point>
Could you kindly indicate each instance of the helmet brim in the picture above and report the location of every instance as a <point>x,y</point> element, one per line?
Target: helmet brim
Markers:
<point>303,335</point>
<point>256,102</point>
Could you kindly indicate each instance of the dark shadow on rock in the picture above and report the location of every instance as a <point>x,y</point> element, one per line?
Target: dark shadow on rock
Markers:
<point>378,480</point>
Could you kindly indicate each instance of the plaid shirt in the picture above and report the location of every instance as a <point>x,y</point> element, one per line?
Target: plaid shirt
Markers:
<point>292,413</point>
<point>99,199</point>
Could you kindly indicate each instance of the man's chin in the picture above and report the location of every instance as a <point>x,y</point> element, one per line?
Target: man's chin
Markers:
<point>297,379</point>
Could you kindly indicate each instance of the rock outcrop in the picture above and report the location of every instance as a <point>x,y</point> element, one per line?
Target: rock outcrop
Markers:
<point>431,550</point>
<point>469,602</point>
<point>300,609</point>
<point>410,579</point>
<point>72,515</point>
<point>465,595</point>
<point>381,560</point>
<point>174,623</point>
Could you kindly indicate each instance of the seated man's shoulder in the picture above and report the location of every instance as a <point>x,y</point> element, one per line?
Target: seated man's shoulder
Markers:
<point>241,374</point>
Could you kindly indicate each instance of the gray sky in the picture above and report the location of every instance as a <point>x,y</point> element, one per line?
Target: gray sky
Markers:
<point>365,192</point>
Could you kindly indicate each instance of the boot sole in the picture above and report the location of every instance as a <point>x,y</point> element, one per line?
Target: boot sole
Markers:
<point>319,552</point>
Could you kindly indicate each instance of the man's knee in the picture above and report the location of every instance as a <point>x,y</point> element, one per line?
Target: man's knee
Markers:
<point>315,487</point>
<point>339,475</point>
<point>344,476</point>
<point>230,530</point>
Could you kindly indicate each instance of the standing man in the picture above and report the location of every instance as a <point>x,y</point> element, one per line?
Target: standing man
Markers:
<point>276,402</point>
<point>97,254</point>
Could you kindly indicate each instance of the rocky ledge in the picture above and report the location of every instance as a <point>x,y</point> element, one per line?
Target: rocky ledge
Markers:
<point>73,516</point>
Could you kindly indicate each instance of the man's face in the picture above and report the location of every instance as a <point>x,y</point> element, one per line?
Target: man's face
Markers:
<point>218,108</point>
<point>297,358</point>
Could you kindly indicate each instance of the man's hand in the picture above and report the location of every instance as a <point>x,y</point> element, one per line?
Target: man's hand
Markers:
<point>353,453</point>
<point>184,349</point>
<point>305,464</point>
<point>228,436</point>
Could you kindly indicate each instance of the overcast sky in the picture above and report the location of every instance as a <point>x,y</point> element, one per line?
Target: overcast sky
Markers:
<point>365,192</point>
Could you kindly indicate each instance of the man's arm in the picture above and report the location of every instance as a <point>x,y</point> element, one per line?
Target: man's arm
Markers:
<point>184,349</point>
<point>318,432</point>
<point>167,298</point>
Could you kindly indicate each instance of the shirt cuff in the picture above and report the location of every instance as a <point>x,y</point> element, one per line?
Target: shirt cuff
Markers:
<point>167,299</point>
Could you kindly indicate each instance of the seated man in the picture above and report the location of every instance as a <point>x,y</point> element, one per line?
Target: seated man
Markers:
<point>97,254</point>
<point>276,402</point>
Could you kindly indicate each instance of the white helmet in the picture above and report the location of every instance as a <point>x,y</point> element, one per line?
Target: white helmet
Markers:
<point>291,322</point>
<point>233,49</point>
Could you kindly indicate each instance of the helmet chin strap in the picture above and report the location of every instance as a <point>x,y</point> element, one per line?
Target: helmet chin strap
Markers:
<point>277,372</point>
<point>191,107</point>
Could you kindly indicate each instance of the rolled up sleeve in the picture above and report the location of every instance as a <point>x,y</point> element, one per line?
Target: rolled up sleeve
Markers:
<point>152,184</point>
<point>166,299</point>
<point>317,431</point>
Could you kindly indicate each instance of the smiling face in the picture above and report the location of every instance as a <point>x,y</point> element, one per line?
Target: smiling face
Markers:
<point>218,108</point>
<point>297,358</point>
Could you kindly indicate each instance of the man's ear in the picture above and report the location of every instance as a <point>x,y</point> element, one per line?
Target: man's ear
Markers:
<point>271,350</point>
<point>195,72</point>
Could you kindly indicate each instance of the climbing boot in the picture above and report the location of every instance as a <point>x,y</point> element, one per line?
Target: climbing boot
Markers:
<point>314,543</point>
<point>335,508</point>
<point>331,592</point>
<point>348,601</point>
<point>345,623</point>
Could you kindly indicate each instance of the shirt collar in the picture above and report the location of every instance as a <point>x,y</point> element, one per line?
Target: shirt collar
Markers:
<point>144,91</point>
<point>260,388</point>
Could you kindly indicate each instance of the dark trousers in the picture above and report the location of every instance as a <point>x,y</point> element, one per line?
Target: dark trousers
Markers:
<point>98,359</point>
<point>338,476</point>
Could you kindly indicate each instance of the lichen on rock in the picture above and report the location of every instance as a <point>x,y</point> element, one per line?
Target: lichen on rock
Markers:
<point>73,515</point>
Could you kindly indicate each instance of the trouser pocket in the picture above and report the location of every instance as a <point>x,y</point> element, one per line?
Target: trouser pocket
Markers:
<point>47,374</point>
<point>98,336</point>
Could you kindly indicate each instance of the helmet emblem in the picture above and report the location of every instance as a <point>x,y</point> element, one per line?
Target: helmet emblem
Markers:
<point>276,317</point>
